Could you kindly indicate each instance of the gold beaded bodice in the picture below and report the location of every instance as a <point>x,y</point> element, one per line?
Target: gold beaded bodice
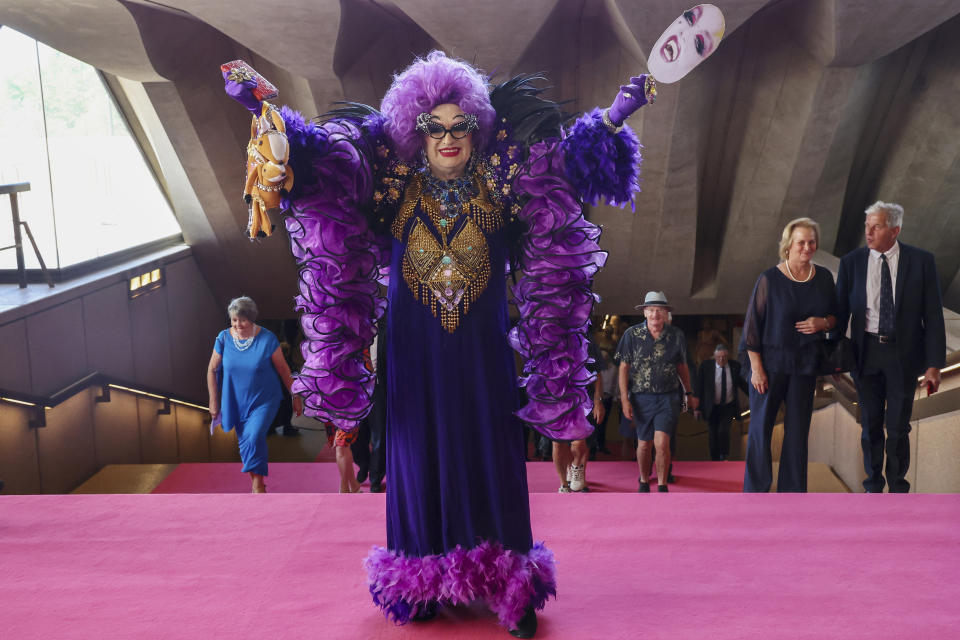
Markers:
<point>446,263</point>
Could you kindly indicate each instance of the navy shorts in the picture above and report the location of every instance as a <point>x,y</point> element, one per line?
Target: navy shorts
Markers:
<point>655,412</point>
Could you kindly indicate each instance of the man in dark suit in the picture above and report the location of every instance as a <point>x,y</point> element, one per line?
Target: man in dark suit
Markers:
<point>890,294</point>
<point>717,384</point>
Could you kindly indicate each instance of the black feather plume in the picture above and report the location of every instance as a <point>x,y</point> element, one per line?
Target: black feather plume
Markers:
<point>531,117</point>
<point>355,112</point>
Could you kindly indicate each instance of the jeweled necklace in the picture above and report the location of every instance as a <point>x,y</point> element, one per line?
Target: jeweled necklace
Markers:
<point>242,344</point>
<point>451,195</point>
<point>793,277</point>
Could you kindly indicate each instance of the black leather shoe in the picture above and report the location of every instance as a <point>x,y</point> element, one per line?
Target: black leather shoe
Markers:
<point>527,627</point>
<point>662,488</point>
<point>376,487</point>
<point>644,487</point>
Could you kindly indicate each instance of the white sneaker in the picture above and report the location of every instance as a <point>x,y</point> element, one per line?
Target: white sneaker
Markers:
<point>564,489</point>
<point>577,477</point>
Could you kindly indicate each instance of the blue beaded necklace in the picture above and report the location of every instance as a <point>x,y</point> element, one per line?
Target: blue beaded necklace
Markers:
<point>452,195</point>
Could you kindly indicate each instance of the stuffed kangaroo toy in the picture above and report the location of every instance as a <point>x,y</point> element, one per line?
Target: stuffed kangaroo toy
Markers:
<point>269,178</point>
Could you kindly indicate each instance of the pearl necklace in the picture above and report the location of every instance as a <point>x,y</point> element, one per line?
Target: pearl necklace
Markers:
<point>793,277</point>
<point>242,344</point>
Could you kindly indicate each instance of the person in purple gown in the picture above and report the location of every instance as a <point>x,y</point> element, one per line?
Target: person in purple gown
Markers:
<point>449,186</point>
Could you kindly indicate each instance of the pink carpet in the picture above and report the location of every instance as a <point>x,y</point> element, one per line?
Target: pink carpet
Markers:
<point>322,477</point>
<point>651,566</point>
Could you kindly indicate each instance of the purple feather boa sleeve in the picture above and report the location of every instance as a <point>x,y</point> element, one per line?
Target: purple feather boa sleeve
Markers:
<point>553,295</point>
<point>338,257</point>
<point>560,257</point>
<point>602,166</point>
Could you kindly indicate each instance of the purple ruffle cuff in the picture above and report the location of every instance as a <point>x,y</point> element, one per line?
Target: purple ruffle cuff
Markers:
<point>338,257</point>
<point>509,581</point>
<point>553,295</point>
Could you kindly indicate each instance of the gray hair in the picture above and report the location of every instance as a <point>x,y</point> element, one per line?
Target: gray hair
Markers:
<point>892,210</point>
<point>243,306</point>
<point>720,347</point>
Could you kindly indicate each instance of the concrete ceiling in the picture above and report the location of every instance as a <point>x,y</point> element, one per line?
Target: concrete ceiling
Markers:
<point>810,107</point>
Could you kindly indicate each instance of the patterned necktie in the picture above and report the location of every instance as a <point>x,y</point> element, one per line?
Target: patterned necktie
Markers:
<point>886,298</point>
<point>723,385</point>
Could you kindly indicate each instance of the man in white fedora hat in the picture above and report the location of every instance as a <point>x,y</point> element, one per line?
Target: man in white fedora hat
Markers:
<point>653,363</point>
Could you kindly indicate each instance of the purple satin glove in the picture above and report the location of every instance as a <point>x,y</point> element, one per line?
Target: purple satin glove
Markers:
<point>641,90</point>
<point>242,92</point>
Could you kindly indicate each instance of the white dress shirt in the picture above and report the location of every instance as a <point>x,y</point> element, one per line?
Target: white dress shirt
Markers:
<point>873,283</point>
<point>716,383</point>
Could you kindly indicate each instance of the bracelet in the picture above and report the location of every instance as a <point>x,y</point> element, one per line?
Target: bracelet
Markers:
<point>608,123</point>
<point>650,89</point>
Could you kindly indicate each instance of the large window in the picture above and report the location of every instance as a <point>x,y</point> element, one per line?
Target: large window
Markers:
<point>92,192</point>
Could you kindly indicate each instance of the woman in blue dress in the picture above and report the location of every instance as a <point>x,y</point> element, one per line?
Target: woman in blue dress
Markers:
<point>792,305</point>
<point>251,366</point>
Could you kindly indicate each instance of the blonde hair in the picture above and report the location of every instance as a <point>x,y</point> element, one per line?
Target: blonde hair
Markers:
<point>787,236</point>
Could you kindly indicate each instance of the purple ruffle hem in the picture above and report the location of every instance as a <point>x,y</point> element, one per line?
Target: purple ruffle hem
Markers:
<point>507,580</point>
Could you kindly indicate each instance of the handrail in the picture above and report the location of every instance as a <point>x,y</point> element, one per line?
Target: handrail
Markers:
<point>40,404</point>
<point>845,392</point>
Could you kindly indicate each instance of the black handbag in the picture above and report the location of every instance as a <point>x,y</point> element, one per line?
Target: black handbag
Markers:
<point>836,356</point>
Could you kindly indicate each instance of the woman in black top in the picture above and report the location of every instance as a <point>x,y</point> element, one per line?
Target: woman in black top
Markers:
<point>792,304</point>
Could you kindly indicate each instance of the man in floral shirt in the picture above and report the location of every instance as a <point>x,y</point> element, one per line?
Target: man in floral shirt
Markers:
<point>653,363</point>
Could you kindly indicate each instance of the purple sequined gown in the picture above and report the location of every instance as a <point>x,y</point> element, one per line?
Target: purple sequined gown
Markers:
<point>457,446</point>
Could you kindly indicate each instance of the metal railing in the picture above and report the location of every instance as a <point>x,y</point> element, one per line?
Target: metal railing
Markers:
<point>39,405</point>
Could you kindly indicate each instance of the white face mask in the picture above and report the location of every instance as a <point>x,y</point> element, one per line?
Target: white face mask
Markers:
<point>687,42</point>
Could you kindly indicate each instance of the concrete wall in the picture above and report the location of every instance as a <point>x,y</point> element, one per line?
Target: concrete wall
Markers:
<point>934,440</point>
<point>835,440</point>
<point>82,436</point>
<point>162,339</point>
<point>934,449</point>
<point>809,107</point>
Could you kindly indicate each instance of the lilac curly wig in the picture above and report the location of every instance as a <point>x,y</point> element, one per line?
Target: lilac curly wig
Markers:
<point>428,82</point>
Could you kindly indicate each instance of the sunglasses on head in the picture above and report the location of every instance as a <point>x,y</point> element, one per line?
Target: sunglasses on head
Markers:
<point>428,125</point>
